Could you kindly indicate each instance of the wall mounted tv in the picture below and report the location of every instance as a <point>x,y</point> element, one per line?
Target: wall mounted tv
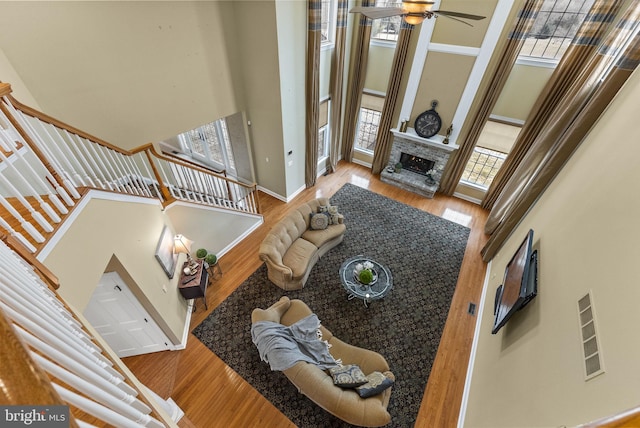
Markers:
<point>520,283</point>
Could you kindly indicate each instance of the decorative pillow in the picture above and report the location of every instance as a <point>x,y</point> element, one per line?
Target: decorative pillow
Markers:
<point>348,376</point>
<point>331,211</point>
<point>376,383</point>
<point>318,221</point>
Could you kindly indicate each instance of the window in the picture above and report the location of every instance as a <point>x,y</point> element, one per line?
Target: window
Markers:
<point>323,130</point>
<point>368,121</point>
<point>555,26</point>
<point>328,21</point>
<point>210,144</point>
<point>483,167</point>
<point>495,142</point>
<point>386,28</point>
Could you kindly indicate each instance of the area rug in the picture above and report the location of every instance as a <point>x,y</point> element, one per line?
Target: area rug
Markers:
<point>423,252</point>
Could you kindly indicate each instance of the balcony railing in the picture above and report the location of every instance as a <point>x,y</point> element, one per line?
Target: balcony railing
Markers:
<point>482,167</point>
<point>45,164</point>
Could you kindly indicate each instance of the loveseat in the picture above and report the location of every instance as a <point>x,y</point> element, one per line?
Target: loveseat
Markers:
<point>318,385</point>
<point>292,247</point>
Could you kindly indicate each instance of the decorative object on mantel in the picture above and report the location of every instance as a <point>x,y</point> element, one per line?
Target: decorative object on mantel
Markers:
<point>428,123</point>
<point>448,134</point>
<point>404,125</point>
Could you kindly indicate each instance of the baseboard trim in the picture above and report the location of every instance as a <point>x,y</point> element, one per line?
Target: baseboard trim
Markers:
<point>271,193</point>
<point>467,198</point>
<point>474,349</point>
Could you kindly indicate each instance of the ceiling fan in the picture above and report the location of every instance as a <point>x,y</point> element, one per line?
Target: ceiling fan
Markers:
<point>414,12</point>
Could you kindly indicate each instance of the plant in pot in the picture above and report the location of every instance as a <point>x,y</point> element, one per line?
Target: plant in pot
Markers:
<point>365,276</point>
<point>201,253</point>
<point>210,259</point>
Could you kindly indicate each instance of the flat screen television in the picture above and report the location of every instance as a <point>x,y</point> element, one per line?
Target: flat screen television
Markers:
<point>520,283</point>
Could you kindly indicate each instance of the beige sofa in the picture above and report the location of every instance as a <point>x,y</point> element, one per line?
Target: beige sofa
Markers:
<point>316,384</point>
<point>291,248</point>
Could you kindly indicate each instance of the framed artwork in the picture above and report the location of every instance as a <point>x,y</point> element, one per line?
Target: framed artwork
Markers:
<point>164,252</point>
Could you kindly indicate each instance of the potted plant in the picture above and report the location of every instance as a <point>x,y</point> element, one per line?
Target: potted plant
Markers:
<point>210,259</point>
<point>201,253</point>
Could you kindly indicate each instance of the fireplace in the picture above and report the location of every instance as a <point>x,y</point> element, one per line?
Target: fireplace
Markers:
<point>417,156</point>
<point>416,163</point>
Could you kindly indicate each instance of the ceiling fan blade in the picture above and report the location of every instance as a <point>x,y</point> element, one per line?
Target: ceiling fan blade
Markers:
<point>450,14</point>
<point>435,13</point>
<point>377,12</point>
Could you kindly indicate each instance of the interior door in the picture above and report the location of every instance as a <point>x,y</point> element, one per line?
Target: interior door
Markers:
<point>121,320</point>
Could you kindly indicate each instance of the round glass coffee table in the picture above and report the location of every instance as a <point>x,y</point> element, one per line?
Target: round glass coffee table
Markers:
<point>377,289</point>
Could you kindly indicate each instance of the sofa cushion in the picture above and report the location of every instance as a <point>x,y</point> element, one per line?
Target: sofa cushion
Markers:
<point>348,376</point>
<point>319,221</point>
<point>298,257</point>
<point>376,383</point>
<point>320,237</point>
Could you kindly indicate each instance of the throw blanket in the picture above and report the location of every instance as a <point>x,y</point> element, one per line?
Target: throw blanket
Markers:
<point>283,346</point>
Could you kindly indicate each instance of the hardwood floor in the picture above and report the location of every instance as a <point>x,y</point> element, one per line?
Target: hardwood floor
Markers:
<point>213,395</point>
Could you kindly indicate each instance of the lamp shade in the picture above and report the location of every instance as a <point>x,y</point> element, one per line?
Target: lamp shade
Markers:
<point>415,10</point>
<point>181,244</point>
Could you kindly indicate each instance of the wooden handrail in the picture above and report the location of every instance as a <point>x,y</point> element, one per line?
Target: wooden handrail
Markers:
<point>5,89</point>
<point>33,146</point>
<point>149,149</point>
<point>628,418</point>
<point>53,121</point>
<point>23,381</point>
<point>222,172</point>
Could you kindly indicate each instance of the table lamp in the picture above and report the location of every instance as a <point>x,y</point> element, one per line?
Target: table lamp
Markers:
<point>183,245</point>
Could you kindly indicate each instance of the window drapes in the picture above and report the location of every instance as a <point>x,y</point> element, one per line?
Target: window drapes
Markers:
<point>359,57</point>
<point>483,109</point>
<point>337,73</point>
<point>383,137</point>
<point>589,36</point>
<point>312,90</point>
<point>570,121</point>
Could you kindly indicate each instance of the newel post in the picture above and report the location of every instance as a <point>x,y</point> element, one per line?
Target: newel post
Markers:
<point>166,195</point>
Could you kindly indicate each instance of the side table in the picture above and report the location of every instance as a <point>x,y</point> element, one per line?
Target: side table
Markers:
<point>194,286</point>
<point>214,270</point>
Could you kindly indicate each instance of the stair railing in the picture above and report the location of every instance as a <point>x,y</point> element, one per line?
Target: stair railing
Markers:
<point>49,357</point>
<point>44,158</point>
<point>188,182</point>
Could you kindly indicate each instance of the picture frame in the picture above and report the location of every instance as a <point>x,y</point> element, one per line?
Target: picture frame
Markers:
<point>164,252</point>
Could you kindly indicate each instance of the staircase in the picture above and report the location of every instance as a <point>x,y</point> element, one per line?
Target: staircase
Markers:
<point>46,166</point>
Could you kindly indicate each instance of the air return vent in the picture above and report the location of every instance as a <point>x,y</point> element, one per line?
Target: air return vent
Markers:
<point>590,346</point>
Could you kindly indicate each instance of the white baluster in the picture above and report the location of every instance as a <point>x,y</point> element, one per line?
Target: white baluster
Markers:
<point>34,177</point>
<point>97,410</point>
<point>20,117</point>
<point>17,235</point>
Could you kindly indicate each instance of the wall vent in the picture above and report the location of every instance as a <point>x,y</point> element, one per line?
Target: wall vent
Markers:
<point>590,345</point>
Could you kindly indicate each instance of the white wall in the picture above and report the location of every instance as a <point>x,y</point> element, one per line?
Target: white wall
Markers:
<point>531,373</point>
<point>153,68</point>
<point>130,231</point>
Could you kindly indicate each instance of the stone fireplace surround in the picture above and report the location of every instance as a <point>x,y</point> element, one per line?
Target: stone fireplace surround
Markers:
<point>428,148</point>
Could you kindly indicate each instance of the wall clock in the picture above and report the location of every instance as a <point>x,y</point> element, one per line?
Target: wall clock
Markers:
<point>428,123</point>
